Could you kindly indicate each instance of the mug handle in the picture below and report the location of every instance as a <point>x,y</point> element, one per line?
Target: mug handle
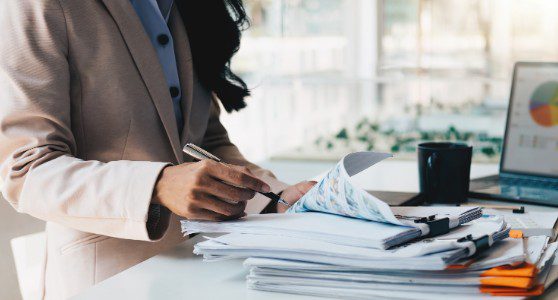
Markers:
<point>432,170</point>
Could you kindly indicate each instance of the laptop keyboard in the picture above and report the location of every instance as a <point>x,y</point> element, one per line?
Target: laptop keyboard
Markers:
<point>529,182</point>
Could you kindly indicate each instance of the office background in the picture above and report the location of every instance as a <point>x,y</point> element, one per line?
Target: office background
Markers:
<point>330,76</point>
<point>333,76</point>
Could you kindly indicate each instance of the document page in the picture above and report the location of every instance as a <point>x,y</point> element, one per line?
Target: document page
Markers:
<point>336,194</point>
<point>311,226</point>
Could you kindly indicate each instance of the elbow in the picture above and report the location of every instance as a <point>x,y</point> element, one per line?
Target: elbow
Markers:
<point>11,195</point>
<point>15,169</point>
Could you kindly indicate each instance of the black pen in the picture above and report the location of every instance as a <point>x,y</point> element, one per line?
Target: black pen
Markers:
<point>200,154</point>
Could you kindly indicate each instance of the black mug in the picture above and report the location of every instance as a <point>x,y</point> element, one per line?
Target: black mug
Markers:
<point>444,171</point>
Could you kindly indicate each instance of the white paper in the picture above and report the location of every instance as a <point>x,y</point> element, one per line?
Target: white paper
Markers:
<point>531,223</point>
<point>359,283</point>
<point>353,293</point>
<point>260,268</point>
<point>535,246</point>
<point>242,246</point>
<point>421,254</point>
<point>311,226</point>
<point>467,279</point>
<point>355,285</point>
<point>551,275</point>
<point>456,215</point>
<point>509,251</point>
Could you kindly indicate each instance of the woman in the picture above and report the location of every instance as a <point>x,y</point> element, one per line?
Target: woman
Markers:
<point>97,99</point>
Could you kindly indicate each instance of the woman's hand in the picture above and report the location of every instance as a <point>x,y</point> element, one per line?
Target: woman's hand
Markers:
<point>197,191</point>
<point>293,193</point>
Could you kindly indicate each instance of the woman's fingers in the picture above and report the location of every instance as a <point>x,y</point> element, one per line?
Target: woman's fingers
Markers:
<point>195,190</point>
<point>226,192</point>
<point>305,186</point>
<point>208,215</point>
<point>219,206</point>
<point>241,169</point>
<point>238,176</point>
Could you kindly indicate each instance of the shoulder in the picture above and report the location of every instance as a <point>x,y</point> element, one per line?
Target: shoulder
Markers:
<point>30,12</point>
<point>32,7</point>
<point>32,25</point>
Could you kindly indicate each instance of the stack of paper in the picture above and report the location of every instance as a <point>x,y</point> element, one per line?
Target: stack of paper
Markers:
<point>338,240</point>
<point>327,227</point>
<point>294,265</point>
<point>335,195</point>
<point>313,246</point>
<point>323,238</point>
<point>314,227</point>
<point>512,278</point>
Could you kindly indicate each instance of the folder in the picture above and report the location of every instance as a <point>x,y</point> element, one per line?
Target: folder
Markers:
<point>313,226</point>
<point>526,279</point>
<point>514,282</point>
<point>342,230</point>
<point>429,254</point>
<point>511,292</point>
<point>523,270</point>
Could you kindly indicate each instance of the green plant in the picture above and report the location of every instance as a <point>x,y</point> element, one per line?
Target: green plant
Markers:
<point>371,136</point>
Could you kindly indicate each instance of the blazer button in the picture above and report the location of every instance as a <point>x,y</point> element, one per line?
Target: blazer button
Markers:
<point>163,39</point>
<point>174,91</point>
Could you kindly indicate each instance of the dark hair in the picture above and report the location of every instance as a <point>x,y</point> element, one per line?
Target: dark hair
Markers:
<point>214,30</point>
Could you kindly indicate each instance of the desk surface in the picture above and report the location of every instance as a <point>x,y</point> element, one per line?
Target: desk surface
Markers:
<point>178,274</point>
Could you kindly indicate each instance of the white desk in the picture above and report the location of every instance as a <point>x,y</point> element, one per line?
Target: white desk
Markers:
<point>178,274</point>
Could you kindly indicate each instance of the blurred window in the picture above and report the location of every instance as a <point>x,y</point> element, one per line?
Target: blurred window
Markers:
<point>332,76</point>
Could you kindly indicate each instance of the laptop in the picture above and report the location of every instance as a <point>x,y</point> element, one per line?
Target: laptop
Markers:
<point>529,164</point>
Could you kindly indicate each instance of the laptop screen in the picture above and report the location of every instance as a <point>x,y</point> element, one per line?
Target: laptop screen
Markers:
<point>531,144</point>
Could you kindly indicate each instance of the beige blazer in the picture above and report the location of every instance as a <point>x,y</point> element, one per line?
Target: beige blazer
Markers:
<point>87,124</point>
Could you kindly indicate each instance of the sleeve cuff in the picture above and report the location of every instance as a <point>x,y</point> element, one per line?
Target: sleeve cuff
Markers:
<point>157,221</point>
<point>152,221</point>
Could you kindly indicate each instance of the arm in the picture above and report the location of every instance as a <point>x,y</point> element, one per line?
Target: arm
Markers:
<point>40,174</point>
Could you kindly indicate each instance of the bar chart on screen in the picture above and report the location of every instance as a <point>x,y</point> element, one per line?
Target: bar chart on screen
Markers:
<point>538,142</point>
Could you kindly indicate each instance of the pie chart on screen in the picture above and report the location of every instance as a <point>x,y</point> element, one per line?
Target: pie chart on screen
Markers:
<point>544,104</point>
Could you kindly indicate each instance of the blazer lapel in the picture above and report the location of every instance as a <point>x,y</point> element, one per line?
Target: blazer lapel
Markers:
<point>148,65</point>
<point>185,68</point>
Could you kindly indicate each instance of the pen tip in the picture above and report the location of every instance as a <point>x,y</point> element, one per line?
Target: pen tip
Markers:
<point>282,201</point>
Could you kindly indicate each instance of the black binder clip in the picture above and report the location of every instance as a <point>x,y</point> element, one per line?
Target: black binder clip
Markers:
<point>436,226</point>
<point>481,243</point>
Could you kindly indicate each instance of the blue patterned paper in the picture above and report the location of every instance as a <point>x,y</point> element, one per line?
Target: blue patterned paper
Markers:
<point>335,194</point>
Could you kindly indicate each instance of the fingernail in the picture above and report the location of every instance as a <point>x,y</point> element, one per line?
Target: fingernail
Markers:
<point>266,188</point>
